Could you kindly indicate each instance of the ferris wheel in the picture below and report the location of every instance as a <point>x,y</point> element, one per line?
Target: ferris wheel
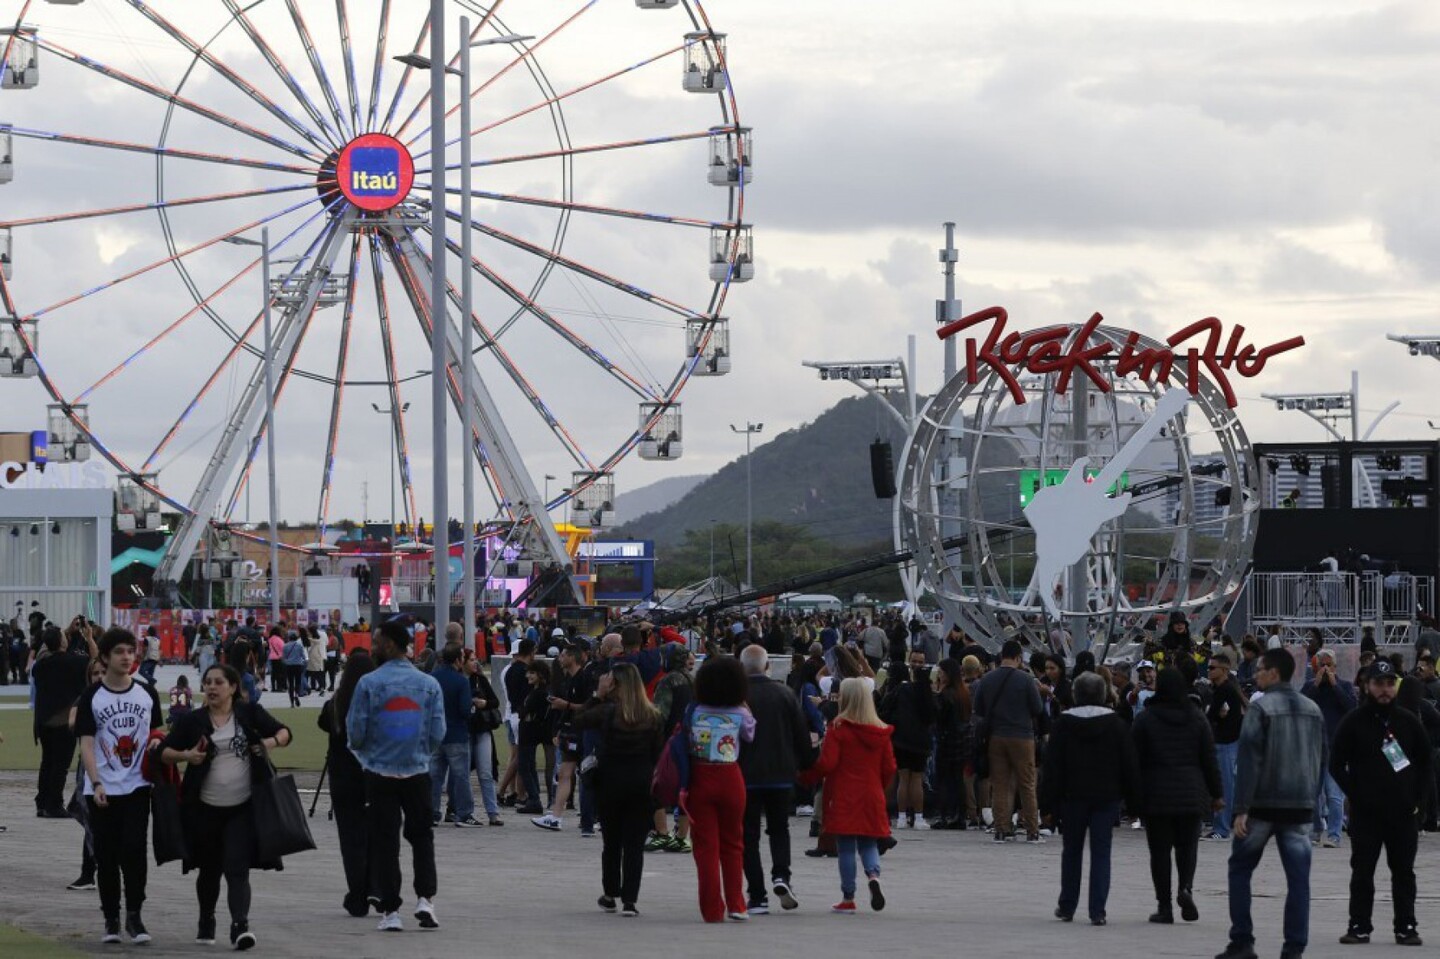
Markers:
<point>145,146</point>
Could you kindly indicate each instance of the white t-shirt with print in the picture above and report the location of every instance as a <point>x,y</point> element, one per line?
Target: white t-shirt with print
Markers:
<point>120,722</point>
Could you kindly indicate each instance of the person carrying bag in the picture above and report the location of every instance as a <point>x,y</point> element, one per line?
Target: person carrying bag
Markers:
<point>228,798</point>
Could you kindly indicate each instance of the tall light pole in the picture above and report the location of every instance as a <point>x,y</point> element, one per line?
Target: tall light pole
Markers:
<point>750,430</point>
<point>438,69</point>
<point>269,363</point>
<point>394,466</point>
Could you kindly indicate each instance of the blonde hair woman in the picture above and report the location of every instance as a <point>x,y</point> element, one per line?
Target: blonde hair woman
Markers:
<point>856,765</point>
<point>630,743</point>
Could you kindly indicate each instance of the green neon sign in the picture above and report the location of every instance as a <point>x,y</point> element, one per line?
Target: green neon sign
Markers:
<point>1030,482</point>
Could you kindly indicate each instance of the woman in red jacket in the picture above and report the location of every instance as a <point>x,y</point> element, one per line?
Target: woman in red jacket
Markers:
<point>857,765</point>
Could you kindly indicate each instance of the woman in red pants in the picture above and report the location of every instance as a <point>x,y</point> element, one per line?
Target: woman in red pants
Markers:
<point>716,727</point>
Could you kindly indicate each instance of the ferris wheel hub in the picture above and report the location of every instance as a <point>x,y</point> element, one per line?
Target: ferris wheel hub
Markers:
<point>373,172</point>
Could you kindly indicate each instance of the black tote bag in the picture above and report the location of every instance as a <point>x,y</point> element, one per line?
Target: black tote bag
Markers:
<point>281,827</point>
<point>167,831</point>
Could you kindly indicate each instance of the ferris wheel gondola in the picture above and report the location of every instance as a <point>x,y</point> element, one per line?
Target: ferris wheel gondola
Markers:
<point>242,116</point>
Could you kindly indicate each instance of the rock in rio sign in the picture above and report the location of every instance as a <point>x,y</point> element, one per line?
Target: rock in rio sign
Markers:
<point>1044,351</point>
<point>375,172</point>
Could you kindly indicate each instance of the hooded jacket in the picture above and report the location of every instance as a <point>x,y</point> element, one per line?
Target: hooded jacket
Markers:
<point>857,764</point>
<point>1090,758</point>
<point>1176,753</point>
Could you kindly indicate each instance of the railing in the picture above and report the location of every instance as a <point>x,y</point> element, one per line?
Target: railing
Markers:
<point>1339,605</point>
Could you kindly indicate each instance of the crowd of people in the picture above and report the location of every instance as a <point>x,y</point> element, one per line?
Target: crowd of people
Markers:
<point>664,739</point>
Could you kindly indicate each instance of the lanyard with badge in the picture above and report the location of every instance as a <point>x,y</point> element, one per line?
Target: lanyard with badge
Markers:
<point>1392,751</point>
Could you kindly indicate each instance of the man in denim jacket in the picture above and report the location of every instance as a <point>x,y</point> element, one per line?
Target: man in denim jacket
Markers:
<point>1281,759</point>
<point>396,723</point>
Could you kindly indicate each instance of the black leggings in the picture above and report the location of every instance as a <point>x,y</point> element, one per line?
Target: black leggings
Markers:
<point>1164,833</point>
<point>224,844</point>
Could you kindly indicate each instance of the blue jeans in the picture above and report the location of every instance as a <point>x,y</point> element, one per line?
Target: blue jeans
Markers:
<point>869,853</point>
<point>1225,754</point>
<point>1293,841</point>
<point>454,758</point>
<point>482,748</point>
<point>1079,818</point>
<point>1332,802</point>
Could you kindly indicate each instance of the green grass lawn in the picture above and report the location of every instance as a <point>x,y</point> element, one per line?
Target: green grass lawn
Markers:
<point>306,750</point>
<point>17,942</point>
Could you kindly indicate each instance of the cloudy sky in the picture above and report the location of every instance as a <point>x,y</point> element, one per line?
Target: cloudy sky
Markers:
<point>1271,164</point>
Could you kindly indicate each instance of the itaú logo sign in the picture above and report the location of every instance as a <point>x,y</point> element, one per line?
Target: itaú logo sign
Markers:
<point>375,172</point>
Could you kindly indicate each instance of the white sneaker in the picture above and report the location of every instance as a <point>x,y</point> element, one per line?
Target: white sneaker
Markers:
<point>804,811</point>
<point>391,923</point>
<point>425,913</point>
<point>987,816</point>
<point>920,822</point>
<point>548,822</point>
<point>1136,825</point>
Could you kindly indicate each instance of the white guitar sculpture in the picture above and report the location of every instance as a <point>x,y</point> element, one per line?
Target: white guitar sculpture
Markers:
<point>1066,517</point>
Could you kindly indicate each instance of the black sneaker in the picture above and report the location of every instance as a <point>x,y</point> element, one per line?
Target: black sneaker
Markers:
<point>877,898</point>
<point>112,931</point>
<point>783,892</point>
<point>1409,936</point>
<point>758,907</point>
<point>1355,936</point>
<point>205,933</point>
<point>999,837</point>
<point>629,911</point>
<point>83,883</point>
<point>136,929</point>
<point>1162,916</point>
<point>607,903</point>
<point>1238,950</point>
<point>241,937</point>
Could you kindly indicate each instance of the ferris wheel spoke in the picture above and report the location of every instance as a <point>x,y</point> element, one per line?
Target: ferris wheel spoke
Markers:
<point>405,75</point>
<point>550,101</point>
<point>397,407</point>
<point>311,52</point>
<point>577,267</point>
<point>230,354</point>
<point>590,208</point>
<point>146,207</point>
<point>182,102</point>
<point>577,151</point>
<point>323,123</point>
<point>562,433</point>
<point>425,96</point>
<point>287,366</point>
<point>382,39</point>
<point>168,152</point>
<point>170,259</point>
<point>219,66</point>
<point>410,283</point>
<point>189,314</point>
<point>352,88</point>
<point>322,521</point>
<point>631,382</point>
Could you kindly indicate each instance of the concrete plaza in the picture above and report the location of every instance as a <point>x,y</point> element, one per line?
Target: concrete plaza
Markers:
<point>520,891</point>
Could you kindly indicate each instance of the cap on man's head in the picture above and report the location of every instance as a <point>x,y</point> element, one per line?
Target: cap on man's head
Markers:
<point>557,633</point>
<point>1145,664</point>
<point>1381,670</point>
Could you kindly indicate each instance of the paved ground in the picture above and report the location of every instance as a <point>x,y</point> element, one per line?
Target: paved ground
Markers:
<point>531,893</point>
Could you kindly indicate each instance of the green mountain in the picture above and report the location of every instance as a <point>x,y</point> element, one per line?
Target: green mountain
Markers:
<point>813,500</point>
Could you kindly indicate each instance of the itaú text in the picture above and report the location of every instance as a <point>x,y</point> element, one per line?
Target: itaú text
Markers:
<point>1045,351</point>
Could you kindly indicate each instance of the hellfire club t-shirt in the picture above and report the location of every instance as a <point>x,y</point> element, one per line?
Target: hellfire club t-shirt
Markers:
<point>121,722</point>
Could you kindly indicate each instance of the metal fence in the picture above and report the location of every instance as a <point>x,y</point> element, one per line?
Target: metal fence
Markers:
<point>1339,605</point>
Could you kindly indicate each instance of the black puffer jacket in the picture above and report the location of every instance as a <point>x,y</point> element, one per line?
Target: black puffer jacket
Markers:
<point>910,707</point>
<point>1178,771</point>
